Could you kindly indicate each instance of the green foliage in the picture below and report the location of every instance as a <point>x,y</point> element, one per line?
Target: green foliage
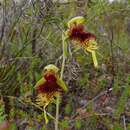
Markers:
<point>117,126</point>
<point>116,87</point>
<point>68,108</point>
<point>2,113</point>
<point>122,101</point>
<point>64,124</point>
<point>93,121</point>
<point>128,127</point>
<point>43,128</point>
<point>83,80</point>
<point>13,126</point>
<point>78,124</point>
<point>103,83</point>
<point>32,38</point>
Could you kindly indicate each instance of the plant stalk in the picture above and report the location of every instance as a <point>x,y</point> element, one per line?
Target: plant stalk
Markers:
<point>64,48</point>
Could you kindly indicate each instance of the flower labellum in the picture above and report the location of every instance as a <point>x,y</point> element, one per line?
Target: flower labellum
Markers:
<point>76,32</point>
<point>49,87</point>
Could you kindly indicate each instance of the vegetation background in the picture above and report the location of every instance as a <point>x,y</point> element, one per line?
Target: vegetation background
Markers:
<point>30,38</point>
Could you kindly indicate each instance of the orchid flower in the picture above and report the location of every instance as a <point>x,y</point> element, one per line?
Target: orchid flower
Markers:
<point>77,34</point>
<point>49,87</point>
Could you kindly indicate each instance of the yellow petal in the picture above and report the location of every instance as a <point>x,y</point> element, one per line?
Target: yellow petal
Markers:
<point>76,20</point>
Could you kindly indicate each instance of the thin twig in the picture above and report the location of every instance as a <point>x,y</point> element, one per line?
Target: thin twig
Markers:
<point>92,100</point>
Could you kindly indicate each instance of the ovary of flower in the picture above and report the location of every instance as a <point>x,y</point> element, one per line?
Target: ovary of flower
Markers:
<point>76,20</point>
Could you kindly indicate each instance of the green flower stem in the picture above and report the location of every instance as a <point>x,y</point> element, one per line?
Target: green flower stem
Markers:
<point>57,112</point>
<point>64,48</point>
<point>45,115</point>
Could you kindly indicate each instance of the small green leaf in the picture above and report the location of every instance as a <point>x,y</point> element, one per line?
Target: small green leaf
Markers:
<point>78,124</point>
<point>117,127</point>
<point>68,109</point>
<point>64,124</point>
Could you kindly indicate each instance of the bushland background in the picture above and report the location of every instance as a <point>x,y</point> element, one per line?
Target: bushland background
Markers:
<point>30,38</point>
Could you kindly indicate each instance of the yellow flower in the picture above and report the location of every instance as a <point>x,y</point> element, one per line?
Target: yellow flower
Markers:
<point>76,32</point>
<point>49,87</point>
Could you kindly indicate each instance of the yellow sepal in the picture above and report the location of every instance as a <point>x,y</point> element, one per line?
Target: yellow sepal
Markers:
<point>76,20</point>
<point>40,82</point>
<point>61,83</point>
<point>51,67</point>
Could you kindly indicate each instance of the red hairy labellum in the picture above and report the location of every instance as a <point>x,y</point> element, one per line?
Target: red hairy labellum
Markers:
<point>50,85</point>
<point>78,34</point>
<point>50,78</point>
